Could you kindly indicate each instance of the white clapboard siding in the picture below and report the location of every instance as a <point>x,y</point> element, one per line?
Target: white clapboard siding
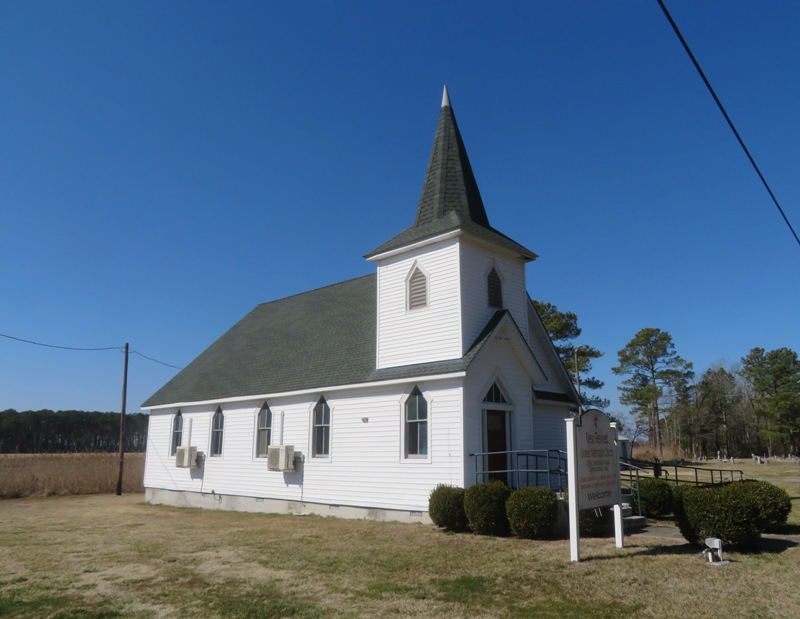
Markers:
<point>549,427</point>
<point>160,469</point>
<point>497,361</point>
<point>431,333</point>
<point>476,263</point>
<point>366,466</point>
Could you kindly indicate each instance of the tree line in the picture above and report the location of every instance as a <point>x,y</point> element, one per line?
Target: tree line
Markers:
<point>47,431</point>
<point>752,407</point>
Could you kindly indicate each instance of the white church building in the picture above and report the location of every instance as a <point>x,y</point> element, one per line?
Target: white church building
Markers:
<point>358,398</point>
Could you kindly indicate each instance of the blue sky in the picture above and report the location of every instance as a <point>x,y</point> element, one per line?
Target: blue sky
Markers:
<point>166,166</point>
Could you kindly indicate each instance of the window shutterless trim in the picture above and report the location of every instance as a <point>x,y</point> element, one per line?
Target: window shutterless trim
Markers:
<point>321,430</point>
<point>177,433</point>
<point>416,426</point>
<point>217,430</point>
<point>264,421</point>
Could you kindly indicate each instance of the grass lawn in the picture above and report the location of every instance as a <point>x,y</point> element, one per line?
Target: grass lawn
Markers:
<point>106,556</point>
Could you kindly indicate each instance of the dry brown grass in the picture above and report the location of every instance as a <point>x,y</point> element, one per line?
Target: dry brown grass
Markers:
<point>108,556</point>
<point>24,475</point>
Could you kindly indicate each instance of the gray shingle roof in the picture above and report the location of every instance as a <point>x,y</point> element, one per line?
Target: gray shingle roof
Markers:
<point>450,197</point>
<point>318,339</point>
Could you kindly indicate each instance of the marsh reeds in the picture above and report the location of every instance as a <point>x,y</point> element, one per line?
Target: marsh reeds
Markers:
<point>24,475</point>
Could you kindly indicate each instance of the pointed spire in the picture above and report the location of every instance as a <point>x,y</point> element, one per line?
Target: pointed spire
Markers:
<point>450,198</point>
<point>449,183</point>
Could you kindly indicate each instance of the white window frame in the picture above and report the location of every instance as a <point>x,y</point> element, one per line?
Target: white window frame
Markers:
<point>268,429</point>
<point>405,457</point>
<point>315,454</point>
<point>416,392</point>
<point>176,436</point>
<point>217,453</point>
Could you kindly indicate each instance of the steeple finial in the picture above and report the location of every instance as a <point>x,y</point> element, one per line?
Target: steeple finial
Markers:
<point>445,97</point>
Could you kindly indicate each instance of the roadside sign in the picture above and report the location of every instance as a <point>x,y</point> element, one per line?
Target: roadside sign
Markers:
<point>593,472</point>
<point>598,461</point>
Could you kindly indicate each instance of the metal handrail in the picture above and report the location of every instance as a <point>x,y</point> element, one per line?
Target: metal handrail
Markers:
<point>717,476</point>
<point>630,468</point>
<point>526,467</point>
<point>632,471</point>
<point>548,467</point>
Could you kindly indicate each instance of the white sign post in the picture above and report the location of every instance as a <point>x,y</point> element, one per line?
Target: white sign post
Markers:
<point>593,472</point>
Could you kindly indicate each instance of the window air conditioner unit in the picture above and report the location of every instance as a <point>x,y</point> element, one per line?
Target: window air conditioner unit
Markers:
<point>280,458</point>
<point>186,457</point>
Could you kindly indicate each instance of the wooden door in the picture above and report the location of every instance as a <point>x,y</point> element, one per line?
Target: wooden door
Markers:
<point>497,440</point>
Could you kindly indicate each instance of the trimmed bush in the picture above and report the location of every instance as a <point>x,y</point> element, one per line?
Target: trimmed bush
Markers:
<point>532,512</point>
<point>446,508</point>
<point>655,496</point>
<point>485,507</point>
<point>773,503</point>
<point>727,512</point>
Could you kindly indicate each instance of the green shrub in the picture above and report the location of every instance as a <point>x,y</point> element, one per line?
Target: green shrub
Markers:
<point>727,512</point>
<point>532,512</point>
<point>655,496</point>
<point>446,508</point>
<point>485,506</point>
<point>773,503</point>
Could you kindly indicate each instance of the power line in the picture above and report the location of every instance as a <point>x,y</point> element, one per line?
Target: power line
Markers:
<point>136,352</point>
<point>727,118</point>
<point>118,348</point>
<point>19,339</point>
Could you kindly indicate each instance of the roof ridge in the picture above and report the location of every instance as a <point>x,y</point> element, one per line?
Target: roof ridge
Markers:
<point>318,289</point>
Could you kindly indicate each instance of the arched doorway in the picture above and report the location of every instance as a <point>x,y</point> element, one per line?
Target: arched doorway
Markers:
<point>497,433</point>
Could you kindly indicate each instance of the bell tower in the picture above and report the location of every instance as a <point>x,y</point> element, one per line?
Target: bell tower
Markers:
<point>441,280</point>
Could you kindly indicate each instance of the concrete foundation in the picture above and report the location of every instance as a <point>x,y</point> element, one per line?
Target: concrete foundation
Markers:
<point>213,500</point>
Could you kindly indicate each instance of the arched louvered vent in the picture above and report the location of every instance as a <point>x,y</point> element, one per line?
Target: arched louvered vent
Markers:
<point>417,289</point>
<point>495,286</point>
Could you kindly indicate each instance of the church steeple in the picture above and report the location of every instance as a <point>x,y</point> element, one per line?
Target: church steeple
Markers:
<point>449,182</point>
<point>450,199</point>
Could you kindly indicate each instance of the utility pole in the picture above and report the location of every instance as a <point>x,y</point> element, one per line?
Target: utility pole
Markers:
<point>578,380</point>
<point>122,421</point>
